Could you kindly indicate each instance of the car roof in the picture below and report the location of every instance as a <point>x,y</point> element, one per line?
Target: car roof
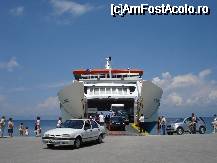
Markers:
<point>79,119</point>
<point>116,117</point>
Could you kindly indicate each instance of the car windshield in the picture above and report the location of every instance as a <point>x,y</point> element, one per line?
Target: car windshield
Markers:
<point>76,124</point>
<point>179,120</point>
<point>116,119</point>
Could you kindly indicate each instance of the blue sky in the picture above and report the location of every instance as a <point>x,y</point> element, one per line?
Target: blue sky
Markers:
<point>42,41</point>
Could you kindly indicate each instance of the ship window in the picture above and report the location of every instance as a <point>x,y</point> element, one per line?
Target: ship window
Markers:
<point>96,91</point>
<point>91,91</point>
<point>114,91</point>
<point>108,90</point>
<point>132,88</point>
<point>125,91</point>
<point>120,91</point>
<point>102,90</point>
<point>102,76</point>
<point>85,90</point>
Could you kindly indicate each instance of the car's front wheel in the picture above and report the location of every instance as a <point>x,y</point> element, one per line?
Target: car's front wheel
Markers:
<point>180,131</point>
<point>77,143</point>
<point>99,140</point>
<point>202,130</point>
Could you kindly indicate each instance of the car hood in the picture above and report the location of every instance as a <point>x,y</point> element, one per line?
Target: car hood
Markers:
<point>60,131</point>
<point>176,123</point>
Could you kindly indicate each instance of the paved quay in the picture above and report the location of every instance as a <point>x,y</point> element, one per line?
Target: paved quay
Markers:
<point>120,149</point>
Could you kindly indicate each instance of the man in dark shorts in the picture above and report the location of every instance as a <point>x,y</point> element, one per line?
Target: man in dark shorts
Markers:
<point>10,127</point>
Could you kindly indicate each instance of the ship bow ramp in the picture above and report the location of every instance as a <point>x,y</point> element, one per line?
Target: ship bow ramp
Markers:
<point>149,103</point>
<point>72,100</point>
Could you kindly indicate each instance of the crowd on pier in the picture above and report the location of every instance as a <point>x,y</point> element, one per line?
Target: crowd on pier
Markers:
<point>161,125</point>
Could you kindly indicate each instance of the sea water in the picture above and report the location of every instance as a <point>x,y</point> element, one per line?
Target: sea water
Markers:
<point>51,124</point>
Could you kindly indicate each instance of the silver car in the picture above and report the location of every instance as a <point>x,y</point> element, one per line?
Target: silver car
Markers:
<point>182,125</point>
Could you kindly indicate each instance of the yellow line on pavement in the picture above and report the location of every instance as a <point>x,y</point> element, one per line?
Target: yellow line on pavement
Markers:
<point>137,128</point>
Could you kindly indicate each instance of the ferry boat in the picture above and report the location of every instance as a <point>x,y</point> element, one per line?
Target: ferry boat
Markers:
<point>97,90</point>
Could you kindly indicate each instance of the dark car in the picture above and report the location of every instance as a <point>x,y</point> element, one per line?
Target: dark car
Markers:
<point>124,115</point>
<point>116,123</point>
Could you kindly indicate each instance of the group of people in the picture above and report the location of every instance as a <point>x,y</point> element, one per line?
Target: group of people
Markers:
<point>101,118</point>
<point>161,125</point>
<point>23,130</point>
<point>10,126</point>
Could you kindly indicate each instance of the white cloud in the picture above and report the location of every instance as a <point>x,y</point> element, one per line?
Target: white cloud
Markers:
<point>173,99</point>
<point>184,81</point>
<point>70,7</point>
<point>205,73</point>
<point>50,102</point>
<point>188,90</point>
<point>213,95</point>
<point>18,11</point>
<point>10,65</point>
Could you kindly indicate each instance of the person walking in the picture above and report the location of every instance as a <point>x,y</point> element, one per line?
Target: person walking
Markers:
<point>141,123</point>
<point>38,126</point>
<point>10,127</point>
<point>101,119</point>
<point>158,125</point>
<point>59,122</point>
<point>163,125</point>
<point>2,125</point>
<point>214,123</point>
<point>193,123</point>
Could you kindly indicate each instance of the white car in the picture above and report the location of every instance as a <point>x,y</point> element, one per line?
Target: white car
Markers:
<point>74,132</point>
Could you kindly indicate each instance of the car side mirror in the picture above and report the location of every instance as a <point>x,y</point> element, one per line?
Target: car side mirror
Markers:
<point>86,126</point>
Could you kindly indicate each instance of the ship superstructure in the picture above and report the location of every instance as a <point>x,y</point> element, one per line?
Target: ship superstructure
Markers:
<point>96,90</point>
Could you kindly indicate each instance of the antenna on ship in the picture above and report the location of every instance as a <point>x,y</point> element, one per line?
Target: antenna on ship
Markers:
<point>108,66</point>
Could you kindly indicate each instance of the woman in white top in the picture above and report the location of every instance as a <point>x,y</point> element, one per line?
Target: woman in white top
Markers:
<point>59,122</point>
<point>2,125</point>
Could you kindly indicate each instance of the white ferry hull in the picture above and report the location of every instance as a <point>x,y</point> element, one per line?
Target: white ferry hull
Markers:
<point>73,102</point>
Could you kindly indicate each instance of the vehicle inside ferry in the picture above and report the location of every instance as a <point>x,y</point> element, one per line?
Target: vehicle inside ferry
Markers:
<point>103,105</point>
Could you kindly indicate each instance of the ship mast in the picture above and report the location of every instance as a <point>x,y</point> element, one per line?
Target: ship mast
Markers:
<point>108,66</point>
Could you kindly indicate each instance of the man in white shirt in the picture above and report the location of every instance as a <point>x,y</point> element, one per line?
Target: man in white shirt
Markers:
<point>101,119</point>
<point>59,122</point>
<point>214,124</point>
<point>163,125</point>
<point>141,123</point>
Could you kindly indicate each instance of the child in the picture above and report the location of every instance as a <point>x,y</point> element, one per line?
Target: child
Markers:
<point>26,131</point>
<point>21,129</point>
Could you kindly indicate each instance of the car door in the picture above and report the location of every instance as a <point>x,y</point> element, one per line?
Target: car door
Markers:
<point>88,132</point>
<point>186,123</point>
<point>96,130</point>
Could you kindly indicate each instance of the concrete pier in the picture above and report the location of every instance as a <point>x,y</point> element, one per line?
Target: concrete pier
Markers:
<point>120,149</point>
